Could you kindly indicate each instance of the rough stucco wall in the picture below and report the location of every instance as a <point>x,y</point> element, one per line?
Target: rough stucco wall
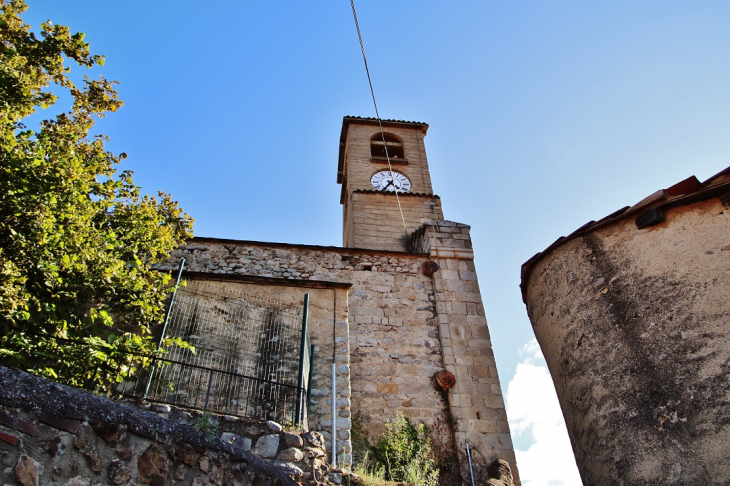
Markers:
<point>635,325</point>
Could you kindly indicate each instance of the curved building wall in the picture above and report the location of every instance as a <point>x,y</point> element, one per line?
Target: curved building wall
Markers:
<point>635,327</point>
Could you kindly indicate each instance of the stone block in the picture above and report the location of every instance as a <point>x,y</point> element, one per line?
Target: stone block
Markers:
<point>492,401</point>
<point>267,446</point>
<point>152,466</point>
<point>449,274</point>
<point>496,441</point>
<point>460,286</point>
<point>367,342</point>
<point>291,454</point>
<point>273,426</point>
<point>58,422</point>
<point>477,321</point>
<point>18,424</point>
<point>290,469</point>
<point>459,308</point>
<point>467,275</point>
<point>10,439</point>
<point>27,470</point>
<point>387,388</point>
<point>119,473</point>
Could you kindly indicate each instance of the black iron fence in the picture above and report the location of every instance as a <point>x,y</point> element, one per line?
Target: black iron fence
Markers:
<point>252,356</point>
<point>191,386</point>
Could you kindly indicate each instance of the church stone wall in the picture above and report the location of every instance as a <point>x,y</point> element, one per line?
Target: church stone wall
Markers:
<point>396,327</point>
<point>475,402</point>
<point>635,325</point>
<point>386,340</point>
<point>373,219</point>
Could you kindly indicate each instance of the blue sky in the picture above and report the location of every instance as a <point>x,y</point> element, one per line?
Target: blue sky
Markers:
<point>543,115</point>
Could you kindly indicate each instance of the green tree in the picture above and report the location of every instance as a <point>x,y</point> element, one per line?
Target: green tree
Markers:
<point>77,239</point>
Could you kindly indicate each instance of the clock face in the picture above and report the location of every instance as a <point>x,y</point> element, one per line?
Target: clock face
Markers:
<point>387,181</point>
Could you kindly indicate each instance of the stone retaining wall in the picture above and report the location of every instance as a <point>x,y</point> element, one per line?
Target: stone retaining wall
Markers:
<point>51,434</point>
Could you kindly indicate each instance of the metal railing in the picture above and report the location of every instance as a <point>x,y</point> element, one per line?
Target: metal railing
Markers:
<point>252,356</point>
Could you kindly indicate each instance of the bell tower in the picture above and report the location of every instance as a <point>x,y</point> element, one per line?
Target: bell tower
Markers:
<point>371,216</point>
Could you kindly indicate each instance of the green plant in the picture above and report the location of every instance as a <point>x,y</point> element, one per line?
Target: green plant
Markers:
<point>405,453</point>
<point>78,294</point>
<point>360,437</point>
<point>288,425</point>
<point>207,423</point>
<point>369,472</point>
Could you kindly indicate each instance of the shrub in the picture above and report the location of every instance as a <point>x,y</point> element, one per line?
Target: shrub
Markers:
<point>405,453</point>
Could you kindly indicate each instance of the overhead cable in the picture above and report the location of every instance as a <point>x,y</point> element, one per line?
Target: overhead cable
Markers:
<point>377,115</point>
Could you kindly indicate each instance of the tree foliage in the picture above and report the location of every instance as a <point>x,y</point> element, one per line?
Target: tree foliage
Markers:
<point>77,239</point>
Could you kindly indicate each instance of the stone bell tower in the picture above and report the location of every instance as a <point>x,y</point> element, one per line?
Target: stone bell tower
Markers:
<point>398,347</point>
<point>371,218</point>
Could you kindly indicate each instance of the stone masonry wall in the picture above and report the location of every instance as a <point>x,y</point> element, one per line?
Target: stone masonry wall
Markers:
<point>358,149</point>
<point>373,218</point>
<point>377,221</point>
<point>51,434</point>
<point>396,328</point>
<point>387,345</point>
<point>475,401</point>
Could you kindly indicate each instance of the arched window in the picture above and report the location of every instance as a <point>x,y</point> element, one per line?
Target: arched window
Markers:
<point>394,144</point>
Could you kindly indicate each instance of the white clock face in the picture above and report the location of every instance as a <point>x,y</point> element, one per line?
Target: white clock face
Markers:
<point>387,181</point>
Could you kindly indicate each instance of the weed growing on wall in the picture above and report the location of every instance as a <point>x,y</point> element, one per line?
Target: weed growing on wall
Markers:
<point>360,438</point>
<point>209,424</point>
<point>405,453</point>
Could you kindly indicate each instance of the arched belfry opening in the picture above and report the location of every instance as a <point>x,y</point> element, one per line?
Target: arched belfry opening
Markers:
<point>393,143</point>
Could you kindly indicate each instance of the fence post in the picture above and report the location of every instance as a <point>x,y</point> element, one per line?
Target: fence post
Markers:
<point>302,347</point>
<point>207,395</point>
<point>309,381</point>
<point>164,326</point>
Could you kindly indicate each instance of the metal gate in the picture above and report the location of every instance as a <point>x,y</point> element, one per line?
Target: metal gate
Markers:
<point>252,356</point>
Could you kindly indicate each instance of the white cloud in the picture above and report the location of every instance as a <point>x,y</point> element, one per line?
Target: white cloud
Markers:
<point>537,424</point>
